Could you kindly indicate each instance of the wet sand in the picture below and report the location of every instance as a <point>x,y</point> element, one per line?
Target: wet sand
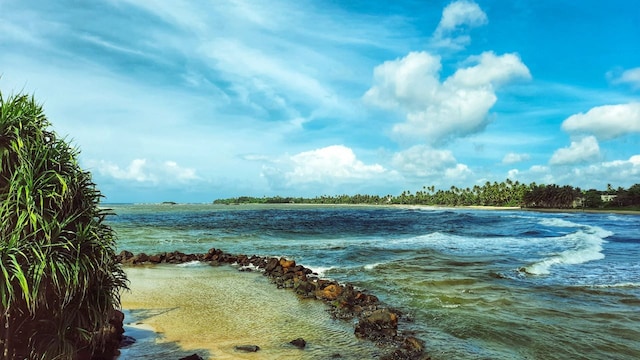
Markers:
<point>210,310</point>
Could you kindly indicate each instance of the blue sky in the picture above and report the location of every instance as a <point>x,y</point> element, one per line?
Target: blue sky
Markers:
<point>191,101</point>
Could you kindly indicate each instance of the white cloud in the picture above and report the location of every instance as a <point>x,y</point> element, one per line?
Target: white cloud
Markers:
<point>331,165</point>
<point>512,158</point>
<point>619,172</point>
<point>456,16</point>
<point>629,77</point>
<point>539,169</point>
<point>458,173</point>
<point>435,111</point>
<point>141,171</point>
<point>606,122</point>
<point>513,174</point>
<point>585,150</point>
<point>423,161</point>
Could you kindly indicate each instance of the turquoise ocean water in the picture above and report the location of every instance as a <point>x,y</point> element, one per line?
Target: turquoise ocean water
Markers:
<point>473,284</point>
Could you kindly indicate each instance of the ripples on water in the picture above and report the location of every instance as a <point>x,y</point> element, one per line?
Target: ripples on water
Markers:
<point>476,284</point>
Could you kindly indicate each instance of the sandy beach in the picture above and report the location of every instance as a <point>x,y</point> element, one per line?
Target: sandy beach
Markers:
<point>210,310</point>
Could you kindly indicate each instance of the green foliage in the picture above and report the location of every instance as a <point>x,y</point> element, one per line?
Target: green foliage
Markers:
<point>504,194</point>
<point>59,280</point>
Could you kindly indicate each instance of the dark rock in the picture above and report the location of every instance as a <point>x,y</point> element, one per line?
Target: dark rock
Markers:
<point>411,348</point>
<point>140,258</point>
<point>192,357</point>
<point>114,332</point>
<point>382,324</point>
<point>127,341</point>
<point>125,255</point>
<point>300,343</point>
<point>247,348</point>
<point>271,265</point>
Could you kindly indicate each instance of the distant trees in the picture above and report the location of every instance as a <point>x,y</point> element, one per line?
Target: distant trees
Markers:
<point>552,196</point>
<point>508,193</point>
<point>59,281</point>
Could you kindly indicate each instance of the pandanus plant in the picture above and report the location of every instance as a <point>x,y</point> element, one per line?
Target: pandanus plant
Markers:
<point>59,281</point>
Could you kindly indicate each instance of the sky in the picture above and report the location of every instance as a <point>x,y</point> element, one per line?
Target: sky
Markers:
<point>191,101</point>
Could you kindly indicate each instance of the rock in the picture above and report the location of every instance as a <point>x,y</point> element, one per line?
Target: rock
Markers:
<point>287,263</point>
<point>382,324</point>
<point>192,357</point>
<point>127,341</point>
<point>300,343</point>
<point>271,265</point>
<point>140,258</point>
<point>413,344</point>
<point>247,348</point>
<point>124,256</point>
<point>330,292</point>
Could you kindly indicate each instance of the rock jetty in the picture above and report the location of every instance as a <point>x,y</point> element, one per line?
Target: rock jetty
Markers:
<point>374,320</point>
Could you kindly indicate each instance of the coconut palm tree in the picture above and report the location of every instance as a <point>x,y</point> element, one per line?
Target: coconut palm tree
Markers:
<point>59,280</point>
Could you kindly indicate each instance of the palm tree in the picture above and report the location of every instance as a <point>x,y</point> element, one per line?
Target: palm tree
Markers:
<point>59,280</point>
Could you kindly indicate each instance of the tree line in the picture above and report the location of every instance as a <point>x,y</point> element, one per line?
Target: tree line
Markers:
<point>508,193</point>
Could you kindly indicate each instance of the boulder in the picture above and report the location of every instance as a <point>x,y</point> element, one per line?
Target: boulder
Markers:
<point>411,348</point>
<point>287,263</point>
<point>271,265</point>
<point>247,348</point>
<point>192,357</point>
<point>300,343</point>
<point>124,256</point>
<point>330,292</point>
<point>381,324</point>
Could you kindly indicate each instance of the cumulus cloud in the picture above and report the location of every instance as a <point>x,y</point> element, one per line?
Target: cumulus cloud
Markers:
<point>424,161</point>
<point>629,77</point>
<point>581,151</point>
<point>141,171</point>
<point>438,111</point>
<point>625,171</point>
<point>512,158</point>
<point>457,17</point>
<point>606,122</point>
<point>336,164</point>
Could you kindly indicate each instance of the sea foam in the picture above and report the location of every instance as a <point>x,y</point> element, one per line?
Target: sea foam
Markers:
<point>585,244</point>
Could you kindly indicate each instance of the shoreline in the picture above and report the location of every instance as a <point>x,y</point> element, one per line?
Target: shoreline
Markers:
<point>212,303</point>
<point>401,206</point>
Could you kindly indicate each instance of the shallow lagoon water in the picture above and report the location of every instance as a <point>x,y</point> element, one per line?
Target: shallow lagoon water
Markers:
<point>209,310</point>
<point>475,284</point>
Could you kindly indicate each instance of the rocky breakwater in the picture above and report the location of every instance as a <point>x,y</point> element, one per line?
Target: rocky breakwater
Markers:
<point>374,321</point>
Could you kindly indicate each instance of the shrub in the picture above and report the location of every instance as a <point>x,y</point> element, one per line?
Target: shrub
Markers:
<point>59,281</point>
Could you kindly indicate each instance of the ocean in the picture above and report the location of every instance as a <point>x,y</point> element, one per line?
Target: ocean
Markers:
<point>473,284</point>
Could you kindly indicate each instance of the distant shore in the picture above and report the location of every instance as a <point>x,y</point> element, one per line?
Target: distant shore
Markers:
<point>471,207</point>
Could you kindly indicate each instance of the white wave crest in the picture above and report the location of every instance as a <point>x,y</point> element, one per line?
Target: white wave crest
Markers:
<point>320,270</point>
<point>194,263</point>
<point>586,246</point>
<point>555,222</point>
<point>619,285</point>
<point>372,266</point>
